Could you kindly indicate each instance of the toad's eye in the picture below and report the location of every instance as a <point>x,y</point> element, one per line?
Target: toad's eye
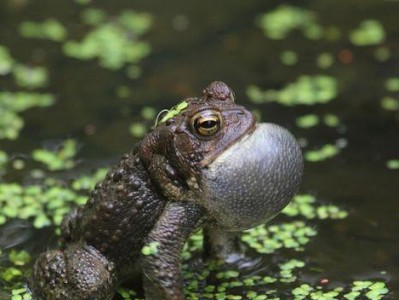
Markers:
<point>206,122</point>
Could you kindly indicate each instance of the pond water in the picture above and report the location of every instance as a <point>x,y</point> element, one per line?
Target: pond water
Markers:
<point>326,70</point>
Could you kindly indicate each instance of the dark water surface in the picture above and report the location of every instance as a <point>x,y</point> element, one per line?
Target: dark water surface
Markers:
<point>196,42</point>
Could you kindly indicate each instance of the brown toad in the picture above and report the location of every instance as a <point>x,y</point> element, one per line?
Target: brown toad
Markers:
<point>207,163</point>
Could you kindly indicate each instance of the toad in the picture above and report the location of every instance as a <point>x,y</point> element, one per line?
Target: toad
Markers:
<point>207,164</point>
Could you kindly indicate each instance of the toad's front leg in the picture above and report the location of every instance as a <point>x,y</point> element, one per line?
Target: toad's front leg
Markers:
<point>160,258</point>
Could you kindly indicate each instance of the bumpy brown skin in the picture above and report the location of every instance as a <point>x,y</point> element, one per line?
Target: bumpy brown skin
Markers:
<point>151,197</point>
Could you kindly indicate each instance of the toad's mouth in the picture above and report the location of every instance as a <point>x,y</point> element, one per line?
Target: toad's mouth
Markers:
<point>254,179</point>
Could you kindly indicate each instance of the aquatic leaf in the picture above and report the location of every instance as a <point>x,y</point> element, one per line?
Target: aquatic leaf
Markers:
<point>138,130</point>
<point>30,77</point>
<point>289,58</point>
<point>307,90</point>
<point>389,103</point>
<point>11,104</point>
<point>393,164</point>
<point>3,159</point>
<point>150,249</point>
<point>326,151</point>
<point>114,42</point>
<point>331,120</point>
<point>267,239</point>
<point>60,159</point>
<point>278,23</point>
<point>307,121</point>
<point>50,29</point>
<point>392,84</point>
<point>369,32</point>
<point>6,61</point>
<point>19,258</point>
<point>325,60</point>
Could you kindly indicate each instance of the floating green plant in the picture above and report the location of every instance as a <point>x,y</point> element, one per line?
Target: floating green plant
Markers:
<point>21,294</point>
<point>307,121</point>
<point>49,29</point>
<point>58,160</point>
<point>30,77</point>
<point>127,294</point>
<point>83,2</point>
<point>326,151</point>
<point>324,60</point>
<point>138,130</point>
<point>87,182</point>
<point>43,205</point>
<point>358,290</point>
<point>307,90</point>
<point>390,103</point>
<point>331,120</point>
<point>278,23</point>
<point>287,268</point>
<point>3,160</point>
<point>150,249</point>
<point>392,84</point>
<point>94,16</point>
<point>267,239</point>
<point>393,164</point>
<point>6,61</point>
<point>13,103</point>
<point>306,206</point>
<point>114,41</point>
<point>382,54</point>
<point>369,32</point>
<point>289,58</point>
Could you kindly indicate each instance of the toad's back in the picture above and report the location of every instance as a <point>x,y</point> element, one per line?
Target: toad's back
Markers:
<point>120,212</point>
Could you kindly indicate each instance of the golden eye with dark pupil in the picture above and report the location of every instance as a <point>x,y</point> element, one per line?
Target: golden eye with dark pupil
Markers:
<point>206,123</point>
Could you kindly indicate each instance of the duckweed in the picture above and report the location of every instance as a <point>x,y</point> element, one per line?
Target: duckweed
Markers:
<point>268,239</point>
<point>358,290</point>
<point>148,113</point>
<point>13,103</point>
<point>114,42</point>
<point>277,24</point>
<point>324,60</point>
<point>305,206</point>
<point>392,84</point>
<point>331,120</point>
<point>369,32</point>
<point>87,182</point>
<point>307,90</point>
<point>382,54</point>
<point>19,258</point>
<point>390,103</point>
<point>326,151</point>
<point>49,29</point>
<point>30,77</point>
<point>21,294</point>
<point>3,160</point>
<point>138,130</point>
<point>93,16</point>
<point>43,205</point>
<point>83,2</point>
<point>289,58</point>
<point>393,164</point>
<point>127,294</point>
<point>60,159</point>
<point>307,121</point>
<point>6,61</point>
<point>150,249</point>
